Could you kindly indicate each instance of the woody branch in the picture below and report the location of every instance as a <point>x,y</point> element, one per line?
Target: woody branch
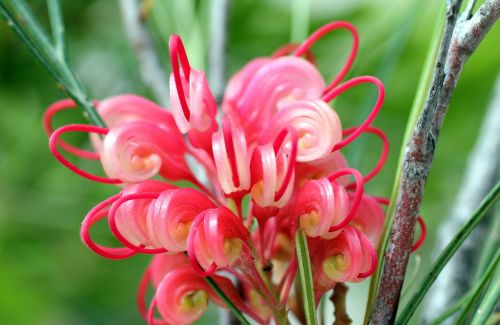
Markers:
<point>461,37</point>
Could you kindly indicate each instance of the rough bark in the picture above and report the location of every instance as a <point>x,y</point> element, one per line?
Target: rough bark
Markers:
<point>460,39</point>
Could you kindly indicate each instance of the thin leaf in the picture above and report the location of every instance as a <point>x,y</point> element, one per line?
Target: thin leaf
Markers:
<point>447,253</point>
<point>479,290</point>
<point>476,291</point>
<point>305,275</point>
<point>453,309</point>
<point>38,43</point>
<point>490,246</point>
<point>57,25</point>
<point>488,303</point>
<point>237,313</point>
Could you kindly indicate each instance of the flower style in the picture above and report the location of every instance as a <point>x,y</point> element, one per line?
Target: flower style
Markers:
<point>274,164</point>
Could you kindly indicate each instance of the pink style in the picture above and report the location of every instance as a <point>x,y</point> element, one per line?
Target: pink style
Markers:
<point>273,163</point>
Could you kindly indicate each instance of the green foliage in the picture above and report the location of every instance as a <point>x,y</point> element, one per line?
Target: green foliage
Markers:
<point>305,277</point>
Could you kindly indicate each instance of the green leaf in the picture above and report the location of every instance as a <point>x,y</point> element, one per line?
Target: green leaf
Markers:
<point>57,25</point>
<point>447,253</point>
<point>472,296</point>
<point>479,290</point>
<point>237,313</point>
<point>305,275</point>
<point>488,303</point>
<point>453,309</point>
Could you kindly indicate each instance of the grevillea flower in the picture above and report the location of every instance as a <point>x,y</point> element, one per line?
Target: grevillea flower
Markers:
<point>170,217</point>
<point>193,104</point>
<point>317,125</point>
<point>217,240</point>
<point>181,294</point>
<point>369,219</point>
<point>231,158</point>
<point>273,164</point>
<point>252,99</point>
<point>348,257</point>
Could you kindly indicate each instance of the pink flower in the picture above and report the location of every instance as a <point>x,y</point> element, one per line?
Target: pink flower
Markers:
<point>273,164</point>
<point>254,96</point>
<point>348,257</point>
<point>218,240</point>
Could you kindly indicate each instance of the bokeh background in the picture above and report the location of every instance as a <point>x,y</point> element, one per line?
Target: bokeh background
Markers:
<point>47,276</point>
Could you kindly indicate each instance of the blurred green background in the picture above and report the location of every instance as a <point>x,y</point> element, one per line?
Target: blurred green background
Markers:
<point>47,276</point>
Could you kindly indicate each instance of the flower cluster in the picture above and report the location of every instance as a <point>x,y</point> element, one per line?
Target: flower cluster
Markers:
<point>270,164</point>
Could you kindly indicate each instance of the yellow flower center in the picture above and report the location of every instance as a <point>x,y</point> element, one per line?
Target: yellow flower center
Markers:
<point>182,230</point>
<point>141,162</point>
<point>258,192</point>
<point>232,248</point>
<point>334,266</point>
<point>309,222</point>
<point>194,300</point>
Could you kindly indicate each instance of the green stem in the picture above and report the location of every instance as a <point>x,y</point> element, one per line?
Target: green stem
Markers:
<point>305,275</point>
<point>38,43</point>
<point>447,253</point>
<point>237,313</point>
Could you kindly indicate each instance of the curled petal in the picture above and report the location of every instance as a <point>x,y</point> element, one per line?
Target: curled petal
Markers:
<point>339,259</point>
<point>315,207</point>
<point>321,168</point>
<point>97,213</point>
<point>289,48</point>
<point>369,219</point>
<point>126,108</point>
<point>218,239</point>
<point>231,159</point>
<point>54,142</point>
<point>137,151</point>
<point>200,102</point>
<point>239,82</point>
<point>358,194</point>
<point>333,93</point>
<point>320,205</point>
<point>52,110</point>
<point>383,156</point>
<point>182,296</point>
<point>318,127</point>
<point>370,258</point>
<point>130,216</point>
<point>127,237</point>
<point>121,109</point>
<point>170,217</point>
<point>161,264</point>
<point>193,104</point>
<point>269,170</point>
<point>322,31</point>
<point>275,81</point>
